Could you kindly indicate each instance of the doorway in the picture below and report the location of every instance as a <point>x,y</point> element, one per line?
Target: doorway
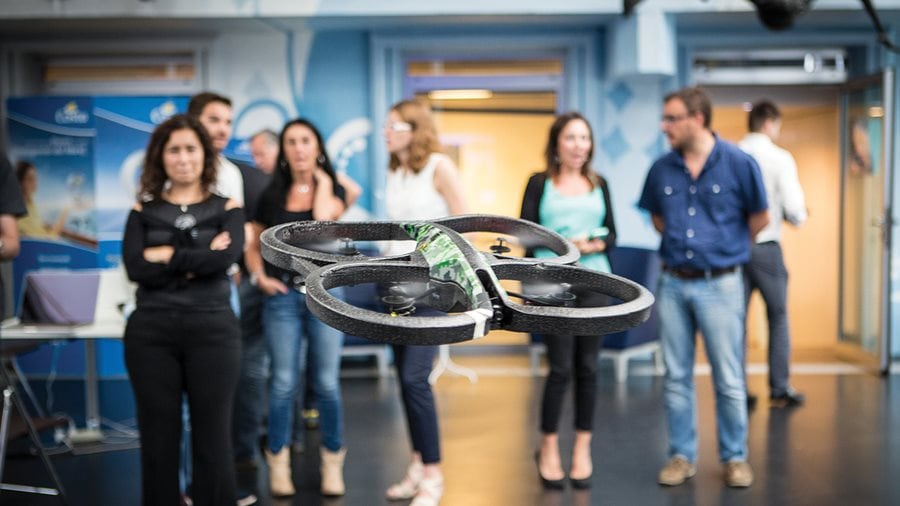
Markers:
<point>492,117</point>
<point>811,132</point>
<point>867,119</point>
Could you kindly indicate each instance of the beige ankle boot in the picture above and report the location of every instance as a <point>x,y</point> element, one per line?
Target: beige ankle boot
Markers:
<point>280,480</point>
<point>333,472</point>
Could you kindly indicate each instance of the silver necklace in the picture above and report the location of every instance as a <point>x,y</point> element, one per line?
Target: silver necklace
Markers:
<point>303,188</point>
<point>183,207</point>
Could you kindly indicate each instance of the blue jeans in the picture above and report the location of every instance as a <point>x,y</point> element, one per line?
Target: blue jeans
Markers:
<point>716,307</point>
<point>291,329</point>
<point>766,272</point>
<point>251,391</point>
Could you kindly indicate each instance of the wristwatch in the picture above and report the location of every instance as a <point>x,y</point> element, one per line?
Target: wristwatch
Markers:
<point>254,279</point>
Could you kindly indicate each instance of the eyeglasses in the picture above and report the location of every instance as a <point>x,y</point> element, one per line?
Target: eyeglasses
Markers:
<point>673,119</point>
<point>397,126</point>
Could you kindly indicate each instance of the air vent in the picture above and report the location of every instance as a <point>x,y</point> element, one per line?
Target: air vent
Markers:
<point>769,66</point>
<point>119,73</point>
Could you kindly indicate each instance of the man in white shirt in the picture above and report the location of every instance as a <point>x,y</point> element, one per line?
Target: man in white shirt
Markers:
<point>766,271</point>
<point>244,184</point>
<point>215,113</point>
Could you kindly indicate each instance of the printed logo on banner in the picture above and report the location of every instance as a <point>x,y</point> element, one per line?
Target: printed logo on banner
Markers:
<point>163,112</point>
<point>70,114</point>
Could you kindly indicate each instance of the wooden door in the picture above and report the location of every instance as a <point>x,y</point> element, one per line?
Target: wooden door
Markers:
<point>811,134</point>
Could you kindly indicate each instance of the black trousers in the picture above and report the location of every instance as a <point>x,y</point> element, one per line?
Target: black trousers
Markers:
<point>572,358</point>
<point>169,353</point>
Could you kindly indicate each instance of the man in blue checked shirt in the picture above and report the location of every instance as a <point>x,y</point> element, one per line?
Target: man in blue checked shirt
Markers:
<point>707,200</point>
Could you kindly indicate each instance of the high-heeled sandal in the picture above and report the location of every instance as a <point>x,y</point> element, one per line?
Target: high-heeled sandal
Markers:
<point>547,483</point>
<point>582,483</point>
<point>408,486</point>
<point>430,492</point>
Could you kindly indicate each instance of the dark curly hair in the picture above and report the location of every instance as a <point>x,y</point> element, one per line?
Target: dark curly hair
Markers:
<point>153,177</point>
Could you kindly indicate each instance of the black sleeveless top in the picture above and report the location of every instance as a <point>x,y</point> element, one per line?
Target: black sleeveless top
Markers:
<point>271,212</point>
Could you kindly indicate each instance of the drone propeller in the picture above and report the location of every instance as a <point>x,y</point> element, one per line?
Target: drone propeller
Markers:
<point>398,305</point>
<point>347,247</point>
<point>563,297</point>
<point>500,248</point>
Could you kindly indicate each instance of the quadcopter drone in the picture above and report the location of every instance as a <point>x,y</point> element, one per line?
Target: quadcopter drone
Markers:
<point>448,274</point>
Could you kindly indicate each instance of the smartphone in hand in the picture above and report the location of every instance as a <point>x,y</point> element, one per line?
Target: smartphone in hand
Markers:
<point>598,233</point>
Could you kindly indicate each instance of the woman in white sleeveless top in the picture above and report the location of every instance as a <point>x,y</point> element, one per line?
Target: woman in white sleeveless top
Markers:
<point>422,184</point>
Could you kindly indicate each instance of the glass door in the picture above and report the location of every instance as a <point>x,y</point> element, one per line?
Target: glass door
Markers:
<point>866,132</point>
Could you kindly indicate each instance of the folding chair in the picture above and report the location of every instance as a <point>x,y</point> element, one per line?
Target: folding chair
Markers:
<point>16,422</point>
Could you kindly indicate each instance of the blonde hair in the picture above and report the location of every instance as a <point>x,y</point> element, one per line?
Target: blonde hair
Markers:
<point>424,136</point>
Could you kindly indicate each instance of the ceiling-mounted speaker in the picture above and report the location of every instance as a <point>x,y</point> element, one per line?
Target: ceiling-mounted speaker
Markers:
<point>628,6</point>
<point>780,14</point>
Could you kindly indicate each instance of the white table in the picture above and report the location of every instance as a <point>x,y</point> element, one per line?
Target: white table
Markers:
<point>11,330</point>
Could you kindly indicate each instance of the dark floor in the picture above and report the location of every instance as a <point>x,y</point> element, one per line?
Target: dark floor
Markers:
<point>842,448</point>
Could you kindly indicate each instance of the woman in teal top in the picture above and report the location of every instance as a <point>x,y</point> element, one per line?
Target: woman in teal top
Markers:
<point>572,200</point>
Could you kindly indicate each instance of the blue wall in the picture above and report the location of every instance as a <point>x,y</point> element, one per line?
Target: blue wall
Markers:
<point>335,94</point>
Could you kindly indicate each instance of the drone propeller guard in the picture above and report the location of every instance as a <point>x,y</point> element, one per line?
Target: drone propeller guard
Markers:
<point>444,257</point>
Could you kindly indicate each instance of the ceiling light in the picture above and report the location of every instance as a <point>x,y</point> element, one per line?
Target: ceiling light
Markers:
<point>460,94</point>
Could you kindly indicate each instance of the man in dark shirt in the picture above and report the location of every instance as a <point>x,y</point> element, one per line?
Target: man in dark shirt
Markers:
<point>708,201</point>
<point>11,207</point>
<point>264,148</point>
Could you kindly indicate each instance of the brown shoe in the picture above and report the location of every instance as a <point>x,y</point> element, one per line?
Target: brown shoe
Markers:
<point>738,474</point>
<point>676,471</point>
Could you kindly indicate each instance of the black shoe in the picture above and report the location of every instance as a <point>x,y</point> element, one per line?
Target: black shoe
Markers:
<point>582,484</point>
<point>789,399</point>
<point>751,401</point>
<point>548,484</point>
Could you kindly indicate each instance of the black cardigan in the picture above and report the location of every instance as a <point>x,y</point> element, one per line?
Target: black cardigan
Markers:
<point>534,192</point>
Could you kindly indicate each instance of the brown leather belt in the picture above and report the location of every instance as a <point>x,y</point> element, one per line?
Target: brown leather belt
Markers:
<point>686,273</point>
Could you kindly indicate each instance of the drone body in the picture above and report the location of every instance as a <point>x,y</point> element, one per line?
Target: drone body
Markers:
<point>447,273</point>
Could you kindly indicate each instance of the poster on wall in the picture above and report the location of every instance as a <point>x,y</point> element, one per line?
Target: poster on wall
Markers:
<point>51,144</point>
<point>123,126</point>
<point>81,159</point>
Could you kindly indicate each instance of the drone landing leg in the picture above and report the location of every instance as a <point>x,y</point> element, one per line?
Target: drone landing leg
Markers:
<point>445,363</point>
